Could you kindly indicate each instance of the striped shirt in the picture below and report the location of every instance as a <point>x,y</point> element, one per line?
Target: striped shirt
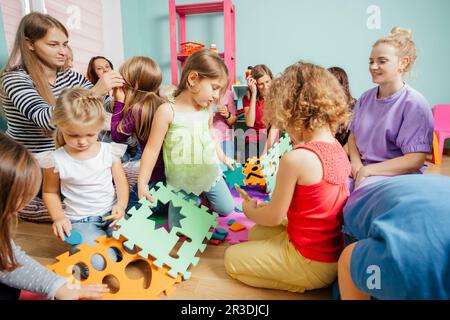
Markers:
<point>28,114</point>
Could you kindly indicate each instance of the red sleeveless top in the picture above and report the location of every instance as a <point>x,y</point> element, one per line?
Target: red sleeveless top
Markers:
<point>315,214</point>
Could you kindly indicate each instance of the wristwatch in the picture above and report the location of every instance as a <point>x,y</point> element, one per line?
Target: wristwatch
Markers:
<point>229,115</point>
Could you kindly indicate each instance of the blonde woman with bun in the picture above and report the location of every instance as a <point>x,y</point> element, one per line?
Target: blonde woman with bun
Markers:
<point>392,126</point>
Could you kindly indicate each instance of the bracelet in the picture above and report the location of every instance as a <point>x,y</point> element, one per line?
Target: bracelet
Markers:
<point>229,115</point>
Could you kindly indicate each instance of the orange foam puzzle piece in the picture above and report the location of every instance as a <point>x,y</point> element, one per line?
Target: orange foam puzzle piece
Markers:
<point>236,226</point>
<point>129,289</point>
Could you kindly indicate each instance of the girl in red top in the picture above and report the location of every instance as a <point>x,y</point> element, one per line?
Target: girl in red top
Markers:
<point>308,103</point>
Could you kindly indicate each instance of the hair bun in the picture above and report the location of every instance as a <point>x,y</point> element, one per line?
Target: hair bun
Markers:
<point>400,32</point>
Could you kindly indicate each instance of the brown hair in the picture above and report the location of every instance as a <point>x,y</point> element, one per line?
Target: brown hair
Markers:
<point>76,105</point>
<point>91,75</point>
<point>401,39</point>
<point>259,71</point>
<point>20,180</point>
<point>207,64</point>
<point>306,97</point>
<point>32,27</point>
<point>342,77</point>
<point>142,77</point>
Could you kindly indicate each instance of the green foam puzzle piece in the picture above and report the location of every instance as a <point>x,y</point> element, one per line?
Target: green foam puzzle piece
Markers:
<point>234,177</point>
<point>158,243</point>
<point>271,160</point>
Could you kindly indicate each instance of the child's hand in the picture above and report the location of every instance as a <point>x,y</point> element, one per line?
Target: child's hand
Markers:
<point>62,227</point>
<point>118,212</point>
<point>249,205</point>
<point>362,174</point>
<point>356,166</point>
<point>143,192</point>
<point>81,291</point>
<point>229,163</point>
<point>223,111</point>
<point>251,83</point>
<point>119,94</point>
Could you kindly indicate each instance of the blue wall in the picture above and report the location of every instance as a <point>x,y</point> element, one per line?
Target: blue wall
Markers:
<point>326,32</point>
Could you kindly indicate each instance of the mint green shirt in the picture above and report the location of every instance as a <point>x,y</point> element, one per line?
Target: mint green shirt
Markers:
<point>189,151</point>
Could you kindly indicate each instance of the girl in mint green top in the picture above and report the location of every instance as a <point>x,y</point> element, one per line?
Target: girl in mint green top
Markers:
<point>183,128</point>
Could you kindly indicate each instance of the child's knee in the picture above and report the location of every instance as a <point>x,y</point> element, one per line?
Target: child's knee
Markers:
<point>229,259</point>
<point>224,209</point>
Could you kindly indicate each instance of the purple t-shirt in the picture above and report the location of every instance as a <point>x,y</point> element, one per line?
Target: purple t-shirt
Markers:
<point>392,127</point>
<point>128,127</point>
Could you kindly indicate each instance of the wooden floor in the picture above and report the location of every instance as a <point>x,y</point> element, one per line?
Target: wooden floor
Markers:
<point>209,279</point>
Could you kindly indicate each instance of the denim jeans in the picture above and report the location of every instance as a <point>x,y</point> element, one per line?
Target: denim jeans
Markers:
<point>219,196</point>
<point>91,228</point>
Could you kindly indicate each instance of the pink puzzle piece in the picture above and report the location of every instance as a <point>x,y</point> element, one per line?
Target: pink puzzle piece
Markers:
<point>235,237</point>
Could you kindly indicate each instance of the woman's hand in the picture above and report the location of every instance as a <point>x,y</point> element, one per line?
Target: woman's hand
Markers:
<point>107,82</point>
<point>251,83</point>
<point>81,291</point>
<point>62,227</point>
<point>356,166</point>
<point>362,174</point>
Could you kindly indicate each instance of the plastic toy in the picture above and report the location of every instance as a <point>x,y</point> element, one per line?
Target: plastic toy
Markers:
<point>230,222</point>
<point>159,243</point>
<point>215,242</point>
<point>221,231</point>
<point>129,289</point>
<point>218,236</point>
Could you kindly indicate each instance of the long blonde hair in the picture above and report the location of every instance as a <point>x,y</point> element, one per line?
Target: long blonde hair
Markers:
<point>401,39</point>
<point>32,27</point>
<point>142,77</point>
<point>20,180</point>
<point>76,105</point>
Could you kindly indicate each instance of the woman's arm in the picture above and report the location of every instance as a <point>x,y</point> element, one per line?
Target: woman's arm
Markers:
<point>161,121</point>
<point>122,191</point>
<point>408,163</point>
<point>355,157</point>
<point>272,137</point>
<point>52,200</point>
<point>19,88</point>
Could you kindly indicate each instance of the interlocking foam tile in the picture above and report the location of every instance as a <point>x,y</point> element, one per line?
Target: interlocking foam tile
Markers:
<point>129,289</point>
<point>159,243</point>
<point>234,177</point>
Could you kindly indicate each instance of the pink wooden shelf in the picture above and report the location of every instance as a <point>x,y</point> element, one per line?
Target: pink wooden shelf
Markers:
<point>179,36</point>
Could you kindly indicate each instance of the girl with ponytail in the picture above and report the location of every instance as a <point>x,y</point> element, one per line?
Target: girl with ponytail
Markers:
<point>392,126</point>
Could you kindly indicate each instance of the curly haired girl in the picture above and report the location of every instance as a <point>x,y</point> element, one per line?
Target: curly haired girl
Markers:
<point>308,103</point>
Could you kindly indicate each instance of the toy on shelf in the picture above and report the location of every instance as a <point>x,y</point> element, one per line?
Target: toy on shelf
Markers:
<point>159,243</point>
<point>188,48</point>
<point>129,289</point>
<point>239,91</point>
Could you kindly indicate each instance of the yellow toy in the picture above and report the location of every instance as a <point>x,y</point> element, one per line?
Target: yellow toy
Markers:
<point>129,289</point>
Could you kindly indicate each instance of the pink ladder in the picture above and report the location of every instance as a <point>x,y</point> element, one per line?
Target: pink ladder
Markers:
<point>229,54</point>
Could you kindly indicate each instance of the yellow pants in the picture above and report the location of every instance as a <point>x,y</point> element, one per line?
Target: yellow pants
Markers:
<point>269,260</point>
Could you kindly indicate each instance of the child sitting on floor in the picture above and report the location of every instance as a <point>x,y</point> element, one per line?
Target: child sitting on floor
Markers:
<point>309,104</point>
<point>20,180</point>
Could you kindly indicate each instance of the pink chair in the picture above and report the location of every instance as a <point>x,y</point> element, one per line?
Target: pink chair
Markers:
<point>441,114</point>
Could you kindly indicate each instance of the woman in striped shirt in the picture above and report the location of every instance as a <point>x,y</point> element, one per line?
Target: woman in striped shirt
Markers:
<point>33,78</point>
